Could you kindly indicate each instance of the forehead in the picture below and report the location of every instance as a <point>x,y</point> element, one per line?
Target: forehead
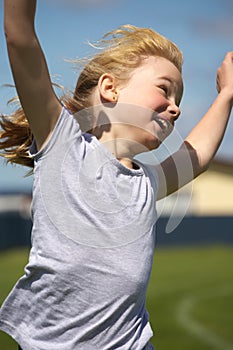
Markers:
<point>156,70</point>
<point>162,67</point>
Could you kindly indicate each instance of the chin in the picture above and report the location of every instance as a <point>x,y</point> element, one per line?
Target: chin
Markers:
<point>153,144</point>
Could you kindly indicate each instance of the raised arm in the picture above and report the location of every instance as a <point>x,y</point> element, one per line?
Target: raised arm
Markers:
<point>202,143</point>
<point>29,68</point>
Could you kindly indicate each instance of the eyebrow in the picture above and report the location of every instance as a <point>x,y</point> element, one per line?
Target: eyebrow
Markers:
<point>166,78</point>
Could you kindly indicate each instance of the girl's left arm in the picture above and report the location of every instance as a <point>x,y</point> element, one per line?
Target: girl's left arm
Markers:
<point>203,141</point>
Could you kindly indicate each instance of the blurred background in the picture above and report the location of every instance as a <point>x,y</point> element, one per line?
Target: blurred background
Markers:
<point>190,298</point>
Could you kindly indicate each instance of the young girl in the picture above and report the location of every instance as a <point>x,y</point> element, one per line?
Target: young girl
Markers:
<point>93,206</point>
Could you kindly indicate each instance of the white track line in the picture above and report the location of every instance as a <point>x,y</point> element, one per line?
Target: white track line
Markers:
<point>195,328</point>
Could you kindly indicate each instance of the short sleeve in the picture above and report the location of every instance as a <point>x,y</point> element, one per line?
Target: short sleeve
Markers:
<point>151,172</point>
<point>66,128</point>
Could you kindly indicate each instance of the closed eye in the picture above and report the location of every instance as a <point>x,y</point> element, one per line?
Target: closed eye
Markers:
<point>164,88</point>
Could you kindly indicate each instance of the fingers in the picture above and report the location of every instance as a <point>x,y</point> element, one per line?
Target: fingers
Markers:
<point>229,56</point>
<point>225,73</point>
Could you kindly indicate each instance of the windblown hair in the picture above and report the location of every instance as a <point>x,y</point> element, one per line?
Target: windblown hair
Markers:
<point>121,51</point>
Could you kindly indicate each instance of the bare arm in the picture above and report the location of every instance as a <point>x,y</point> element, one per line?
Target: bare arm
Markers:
<point>29,68</point>
<point>203,141</point>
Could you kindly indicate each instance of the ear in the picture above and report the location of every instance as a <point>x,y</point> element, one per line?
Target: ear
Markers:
<point>107,88</point>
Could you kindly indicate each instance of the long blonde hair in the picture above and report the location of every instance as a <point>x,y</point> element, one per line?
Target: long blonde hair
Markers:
<point>122,50</point>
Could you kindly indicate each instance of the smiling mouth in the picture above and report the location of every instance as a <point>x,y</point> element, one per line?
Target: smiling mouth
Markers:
<point>165,125</point>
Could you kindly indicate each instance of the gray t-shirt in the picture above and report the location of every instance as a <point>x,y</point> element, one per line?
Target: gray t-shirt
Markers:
<point>93,237</point>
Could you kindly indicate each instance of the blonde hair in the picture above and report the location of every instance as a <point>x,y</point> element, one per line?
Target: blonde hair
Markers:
<point>122,50</point>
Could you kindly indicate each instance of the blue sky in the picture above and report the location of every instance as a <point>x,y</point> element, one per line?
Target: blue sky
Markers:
<point>203,29</point>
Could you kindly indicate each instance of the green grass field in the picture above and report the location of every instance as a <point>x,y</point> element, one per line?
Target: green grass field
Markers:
<point>190,297</point>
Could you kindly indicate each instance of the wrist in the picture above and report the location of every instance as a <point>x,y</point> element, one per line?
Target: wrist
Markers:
<point>226,95</point>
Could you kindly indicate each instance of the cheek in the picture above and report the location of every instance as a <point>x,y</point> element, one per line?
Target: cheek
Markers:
<point>133,113</point>
<point>157,103</point>
<point>149,100</point>
<point>136,94</point>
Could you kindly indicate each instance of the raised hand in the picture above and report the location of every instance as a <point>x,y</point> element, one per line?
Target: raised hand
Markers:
<point>225,76</point>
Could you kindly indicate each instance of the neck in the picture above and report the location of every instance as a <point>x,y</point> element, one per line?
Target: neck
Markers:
<point>122,153</point>
<point>128,163</point>
<point>118,137</point>
<point>121,148</point>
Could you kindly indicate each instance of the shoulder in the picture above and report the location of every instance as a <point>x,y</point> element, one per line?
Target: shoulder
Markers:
<point>66,128</point>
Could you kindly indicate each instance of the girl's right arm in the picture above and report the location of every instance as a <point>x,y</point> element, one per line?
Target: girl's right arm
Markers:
<point>29,68</point>
<point>202,143</point>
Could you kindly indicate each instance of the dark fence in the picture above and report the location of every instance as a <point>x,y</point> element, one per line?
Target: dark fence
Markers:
<point>197,230</point>
<point>15,231</point>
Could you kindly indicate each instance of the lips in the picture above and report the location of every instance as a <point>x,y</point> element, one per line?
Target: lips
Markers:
<point>164,124</point>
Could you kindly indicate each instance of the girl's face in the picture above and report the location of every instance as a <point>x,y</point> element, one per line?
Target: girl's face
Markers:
<point>154,92</point>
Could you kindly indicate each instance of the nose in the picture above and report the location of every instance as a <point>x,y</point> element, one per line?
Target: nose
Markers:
<point>174,111</point>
